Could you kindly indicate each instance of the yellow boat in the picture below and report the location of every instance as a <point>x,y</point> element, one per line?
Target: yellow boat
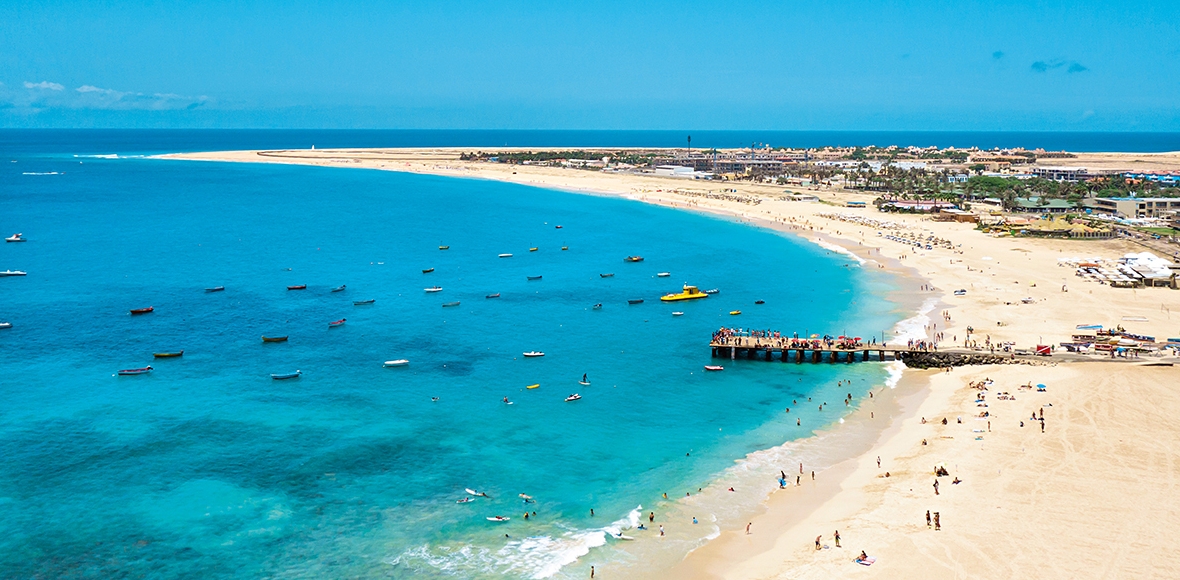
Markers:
<point>734,312</point>
<point>533,386</point>
<point>532,249</point>
<point>689,293</point>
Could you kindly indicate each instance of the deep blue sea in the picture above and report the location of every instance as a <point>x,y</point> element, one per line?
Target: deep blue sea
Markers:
<point>208,468</point>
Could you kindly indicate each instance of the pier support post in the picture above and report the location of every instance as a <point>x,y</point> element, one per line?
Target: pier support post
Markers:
<point>732,352</point>
<point>769,354</point>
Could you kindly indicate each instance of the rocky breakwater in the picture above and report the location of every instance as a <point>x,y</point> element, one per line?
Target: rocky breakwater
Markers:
<point>934,360</point>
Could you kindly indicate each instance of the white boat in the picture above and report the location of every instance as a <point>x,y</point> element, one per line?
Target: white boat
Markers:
<point>5,325</point>
<point>13,273</point>
<point>534,354</point>
<point>714,368</point>
<point>677,314</point>
<point>433,289</point>
<point>401,362</point>
<point>15,238</point>
<point>663,274</point>
<point>573,397</point>
<point>499,519</point>
<point>505,255</point>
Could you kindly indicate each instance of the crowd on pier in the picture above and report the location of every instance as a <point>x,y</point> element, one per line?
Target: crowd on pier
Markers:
<point>751,338</point>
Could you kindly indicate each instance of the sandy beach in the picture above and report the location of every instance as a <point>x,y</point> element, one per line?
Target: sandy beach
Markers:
<point>1089,497</point>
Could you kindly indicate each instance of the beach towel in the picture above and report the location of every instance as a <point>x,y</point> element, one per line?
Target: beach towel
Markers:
<point>866,562</point>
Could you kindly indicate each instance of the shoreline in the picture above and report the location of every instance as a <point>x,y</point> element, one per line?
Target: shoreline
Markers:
<point>732,553</point>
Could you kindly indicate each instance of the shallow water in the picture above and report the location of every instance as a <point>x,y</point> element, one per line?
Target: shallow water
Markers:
<point>207,467</point>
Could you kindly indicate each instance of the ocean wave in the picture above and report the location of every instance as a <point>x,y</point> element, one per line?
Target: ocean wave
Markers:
<point>107,156</point>
<point>914,327</point>
<point>895,368</point>
<point>532,557</point>
<point>838,249</point>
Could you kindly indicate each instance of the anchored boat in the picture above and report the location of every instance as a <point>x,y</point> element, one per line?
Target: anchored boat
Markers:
<point>363,302</point>
<point>298,287</point>
<point>339,288</point>
<point>169,354</point>
<point>401,362</point>
<point>142,310</point>
<point>633,259</point>
<point>689,293</point>
<point>215,289</point>
<point>274,339</point>
<point>139,371</point>
<point>285,376</point>
<point>15,238</point>
<point>336,323</point>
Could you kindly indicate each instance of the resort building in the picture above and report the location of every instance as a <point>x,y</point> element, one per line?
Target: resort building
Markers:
<point>1038,205</point>
<point>1071,173</point>
<point>1164,178</point>
<point>1135,207</point>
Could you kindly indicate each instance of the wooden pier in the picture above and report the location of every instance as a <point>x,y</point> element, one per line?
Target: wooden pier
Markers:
<point>800,351</point>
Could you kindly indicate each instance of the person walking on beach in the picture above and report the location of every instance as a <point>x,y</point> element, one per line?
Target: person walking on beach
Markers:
<point>936,487</point>
<point>937,525</point>
<point>592,571</point>
<point>928,518</point>
<point>651,517</point>
<point>878,462</point>
<point>817,544</point>
<point>837,538</point>
<point>748,527</point>
<point>661,530</point>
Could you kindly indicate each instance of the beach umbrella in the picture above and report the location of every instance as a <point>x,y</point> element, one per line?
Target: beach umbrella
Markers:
<point>1040,385</point>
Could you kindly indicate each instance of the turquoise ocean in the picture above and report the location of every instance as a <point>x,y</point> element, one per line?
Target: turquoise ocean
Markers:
<point>208,468</point>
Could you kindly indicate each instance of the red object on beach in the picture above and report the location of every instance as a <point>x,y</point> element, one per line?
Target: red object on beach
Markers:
<point>142,310</point>
<point>337,322</point>
<point>299,287</point>
<point>1044,350</point>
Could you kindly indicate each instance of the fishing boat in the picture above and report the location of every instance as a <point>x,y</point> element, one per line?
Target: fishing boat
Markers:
<point>714,368</point>
<point>428,270</point>
<point>712,291</point>
<point>633,259</point>
<point>444,247</point>
<point>598,306</point>
<point>534,354</point>
<point>533,277</point>
<point>499,519</point>
<point>663,274</point>
<point>139,371</point>
<point>611,275</point>
<point>142,310</point>
<point>363,302</point>
<point>285,376</point>
<point>339,288</point>
<point>677,314</point>
<point>401,362</point>
<point>450,304</point>
<point>505,255</point>
<point>13,273</point>
<point>496,295</point>
<point>564,248</point>
<point>759,302</point>
<point>5,325</point>
<point>298,287</point>
<point>689,293</point>
<point>15,238</point>
<point>336,323</point>
<point>433,289</point>
<point>734,312</point>
<point>635,301</point>
<point>215,289</point>
<point>169,354</point>
<point>557,227</point>
<point>532,249</point>
<point>274,339</point>
<point>538,385</point>
<point>573,397</point>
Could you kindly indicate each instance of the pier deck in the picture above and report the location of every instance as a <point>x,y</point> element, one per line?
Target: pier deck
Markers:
<point>805,351</point>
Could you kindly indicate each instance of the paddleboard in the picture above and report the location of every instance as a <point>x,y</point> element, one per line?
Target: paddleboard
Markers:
<point>533,386</point>
<point>586,383</point>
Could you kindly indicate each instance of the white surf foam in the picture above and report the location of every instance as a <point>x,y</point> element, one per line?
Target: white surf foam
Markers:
<point>914,327</point>
<point>838,249</point>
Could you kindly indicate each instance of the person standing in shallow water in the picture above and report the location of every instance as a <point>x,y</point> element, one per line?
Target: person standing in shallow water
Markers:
<point>837,538</point>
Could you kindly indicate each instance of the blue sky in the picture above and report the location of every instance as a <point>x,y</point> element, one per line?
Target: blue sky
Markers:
<point>790,65</point>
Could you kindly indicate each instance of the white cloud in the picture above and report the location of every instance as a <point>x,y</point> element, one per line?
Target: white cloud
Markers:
<point>45,85</point>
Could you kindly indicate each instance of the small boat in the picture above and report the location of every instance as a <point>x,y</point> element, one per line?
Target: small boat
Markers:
<point>339,288</point>
<point>274,338</point>
<point>564,248</point>
<point>534,354</point>
<point>401,362</point>
<point>13,273</point>
<point>713,291</point>
<point>444,247</point>
<point>169,354</point>
<point>538,385</point>
<point>216,289</point>
<point>450,304</point>
<point>714,368</point>
<point>142,310</point>
<point>635,301</point>
<point>633,259</point>
<point>688,293</point>
<point>5,325</point>
<point>505,255</point>
<point>663,274</point>
<point>496,295</point>
<point>555,227</point>
<point>363,302</point>
<point>335,323</point>
<point>285,376</point>
<point>139,371</point>
<point>677,314</point>
<point>15,238</point>
<point>433,289</point>
<point>499,519</point>
<point>533,277</point>
<point>532,249</point>
<point>299,287</point>
<point>573,397</point>
<point>606,275</point>
<point>734,312</point>
<point>759,302</point>
<point>428,270</point>
<point>598,306</point>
